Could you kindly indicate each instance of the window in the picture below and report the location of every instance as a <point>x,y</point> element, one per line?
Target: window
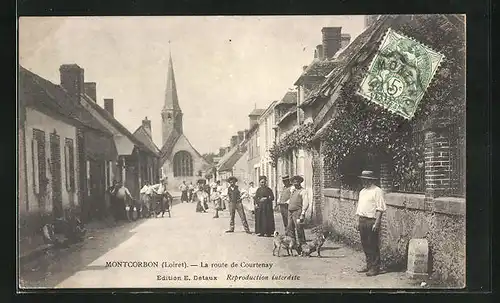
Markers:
<point>183,164</point>
<point>69,164</point>
<point>39,164</point>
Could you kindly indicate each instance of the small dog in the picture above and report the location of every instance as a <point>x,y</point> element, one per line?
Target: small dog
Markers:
<point>283,241</point>
<point>315,246</point>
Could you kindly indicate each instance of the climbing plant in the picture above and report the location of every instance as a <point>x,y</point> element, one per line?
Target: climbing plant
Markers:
<point>362,124</point>
<point>301,137</point>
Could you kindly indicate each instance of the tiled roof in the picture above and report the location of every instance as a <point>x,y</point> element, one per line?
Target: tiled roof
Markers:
<point>257,112</point>
<point>371,37</point>
<point>106,115</point>
<point>38,92</point>
<point>289,98</point>
<point>342,60</point>
<point>228,165</point>
<point>317,69</point>
<point>146,139</point>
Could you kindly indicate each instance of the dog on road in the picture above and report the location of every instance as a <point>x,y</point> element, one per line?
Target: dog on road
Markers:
<point>315,246</point>
<point>283,241</point>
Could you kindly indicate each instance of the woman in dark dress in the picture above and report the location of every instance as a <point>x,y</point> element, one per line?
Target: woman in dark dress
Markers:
<point>264,215</point>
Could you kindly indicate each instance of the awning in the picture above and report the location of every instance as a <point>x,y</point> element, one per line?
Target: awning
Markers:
<point>124,145</point>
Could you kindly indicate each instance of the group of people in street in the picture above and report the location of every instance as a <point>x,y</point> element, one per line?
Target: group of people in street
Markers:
<point>292,202</point>
<point>154,200</point>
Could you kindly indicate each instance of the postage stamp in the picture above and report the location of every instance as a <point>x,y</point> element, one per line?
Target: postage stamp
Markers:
<point>399,74</point>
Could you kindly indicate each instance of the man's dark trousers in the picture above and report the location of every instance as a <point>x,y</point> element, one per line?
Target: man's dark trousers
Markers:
<point>293,216</point>
<point>237,206</point>
<point>284,214</point>
<point>370,242</point>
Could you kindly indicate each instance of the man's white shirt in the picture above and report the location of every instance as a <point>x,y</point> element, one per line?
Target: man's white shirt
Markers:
<point>370,201</point>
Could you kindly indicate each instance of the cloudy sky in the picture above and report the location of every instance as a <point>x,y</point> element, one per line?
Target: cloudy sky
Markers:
<point>224,66</point>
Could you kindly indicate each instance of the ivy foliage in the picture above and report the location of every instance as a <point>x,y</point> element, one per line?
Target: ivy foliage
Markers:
<point>361,124</point>
<point>301,137</point>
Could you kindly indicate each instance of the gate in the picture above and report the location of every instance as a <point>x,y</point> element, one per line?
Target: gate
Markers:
<point>55,169</point>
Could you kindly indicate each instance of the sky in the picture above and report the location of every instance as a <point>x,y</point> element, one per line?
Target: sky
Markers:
<point>224,66</point>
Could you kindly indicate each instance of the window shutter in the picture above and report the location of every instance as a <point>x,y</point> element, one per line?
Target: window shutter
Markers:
<point>36,171</point>
<point>66,166</point>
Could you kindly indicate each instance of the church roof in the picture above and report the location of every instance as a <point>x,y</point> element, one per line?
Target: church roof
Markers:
<point>143,136</point>
<point>169,144</point>
<point>171,99</point>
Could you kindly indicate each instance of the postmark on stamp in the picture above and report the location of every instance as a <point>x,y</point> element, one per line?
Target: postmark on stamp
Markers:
<point>399,74</point>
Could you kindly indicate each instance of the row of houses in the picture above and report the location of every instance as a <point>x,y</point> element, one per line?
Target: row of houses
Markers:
<point>323,130</point>
<point>71,149</point>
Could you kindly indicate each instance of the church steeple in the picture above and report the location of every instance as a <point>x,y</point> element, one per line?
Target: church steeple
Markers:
<point>171,99</point>
<point>171,113</point>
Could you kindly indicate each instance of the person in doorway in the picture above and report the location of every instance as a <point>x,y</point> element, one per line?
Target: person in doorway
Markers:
<point>112,190</point>
<point>190,192</point>
<point>284,199</point>
<point>200,197</point>
<point>234,203</point>
<point>297,207</point>
<point>184,192</point>
<point>264,214</point>
<point>370,208</point>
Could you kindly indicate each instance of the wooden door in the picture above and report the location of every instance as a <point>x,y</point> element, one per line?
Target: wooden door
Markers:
<point>97,189</point>
<point>55,169</point>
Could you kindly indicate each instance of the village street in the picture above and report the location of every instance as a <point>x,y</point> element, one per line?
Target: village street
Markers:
<point>190,239</point>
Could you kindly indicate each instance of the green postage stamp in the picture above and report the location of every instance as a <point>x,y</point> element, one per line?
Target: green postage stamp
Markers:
<point>399,74</point>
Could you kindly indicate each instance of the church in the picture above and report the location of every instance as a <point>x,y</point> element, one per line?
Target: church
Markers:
<point>179,160</point>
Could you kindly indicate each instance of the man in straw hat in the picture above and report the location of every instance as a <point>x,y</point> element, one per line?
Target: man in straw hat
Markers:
<point>297,207</point>
<point>234,197</point>
<point>284,199</point>
<point>371,205</point>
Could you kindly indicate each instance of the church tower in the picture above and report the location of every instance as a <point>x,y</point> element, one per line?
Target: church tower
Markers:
<point>171,114</point>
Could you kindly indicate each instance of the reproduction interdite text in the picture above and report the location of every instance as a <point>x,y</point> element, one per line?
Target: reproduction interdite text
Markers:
<point>263,270</point>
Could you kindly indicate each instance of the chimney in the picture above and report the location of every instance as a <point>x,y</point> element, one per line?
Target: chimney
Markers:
<point>222,151</point>
<point>146,124</point>
<point>331,41</point>
<point>319,52</point>
<point>370,19</point>
<point>228,149</point>
<point>234,141</point>
<point>241,136</point>
<point>108,106</point>
<point>345,40</point>
<point>72,79</point>
<point>246,134</point>
<point>90,90</point>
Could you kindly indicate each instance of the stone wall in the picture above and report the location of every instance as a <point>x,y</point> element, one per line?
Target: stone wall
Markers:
<point>440,220</point>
